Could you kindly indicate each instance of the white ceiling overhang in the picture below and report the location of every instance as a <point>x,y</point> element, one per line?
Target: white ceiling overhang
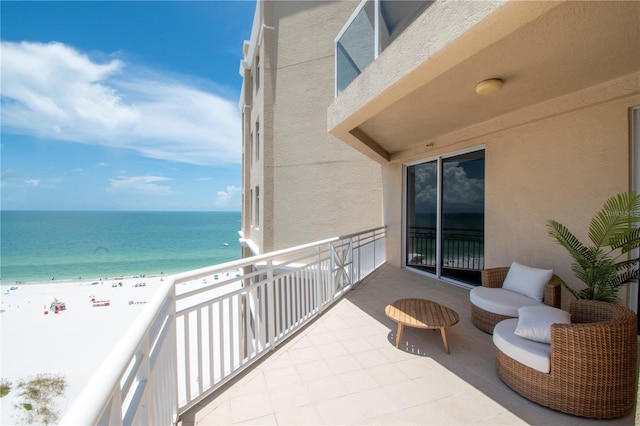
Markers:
<point>542,51</point>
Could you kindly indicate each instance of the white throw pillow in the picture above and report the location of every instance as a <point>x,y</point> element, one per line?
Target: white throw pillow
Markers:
<point>527,281</point>
<point>534,322</point>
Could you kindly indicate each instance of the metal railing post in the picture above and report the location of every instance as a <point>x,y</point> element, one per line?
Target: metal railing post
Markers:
<point>374,241</point>
<point>332,275</point>
<point>359,258</point>
<point>319,282</point>
<point>271,306</point>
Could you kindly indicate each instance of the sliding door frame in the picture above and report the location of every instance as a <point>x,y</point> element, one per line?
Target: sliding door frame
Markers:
<point>439,159</point>
<point>634,177</point>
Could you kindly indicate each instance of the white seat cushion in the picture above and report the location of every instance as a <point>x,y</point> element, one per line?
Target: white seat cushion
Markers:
<point>532,354</point>
<point>527,281</point>
<point>500,301</point>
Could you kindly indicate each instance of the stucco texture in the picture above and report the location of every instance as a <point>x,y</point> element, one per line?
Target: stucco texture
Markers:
<point>321,187</point>
<point>562,168</point>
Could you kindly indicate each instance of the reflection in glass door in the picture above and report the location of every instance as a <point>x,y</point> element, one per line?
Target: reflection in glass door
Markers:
<point>445,217</point>
<point>422,216</point>
<point>463,217</point>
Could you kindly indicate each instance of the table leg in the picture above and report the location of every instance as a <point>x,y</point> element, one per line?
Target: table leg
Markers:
<point>399,334</point>
<point>443,331</point>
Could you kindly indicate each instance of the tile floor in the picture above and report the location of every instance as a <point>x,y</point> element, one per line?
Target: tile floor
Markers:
<point>344,369</point>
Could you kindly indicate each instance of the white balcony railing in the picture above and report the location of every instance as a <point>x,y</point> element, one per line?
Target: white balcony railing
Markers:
<point>186,344</point>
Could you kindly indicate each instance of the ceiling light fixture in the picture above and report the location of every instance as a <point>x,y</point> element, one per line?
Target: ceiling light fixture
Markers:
<point>490,86</point>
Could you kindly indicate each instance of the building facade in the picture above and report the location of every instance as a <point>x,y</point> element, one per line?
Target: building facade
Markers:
<point>300,183</point>
<point>468,178</point>
<point>555,138</point>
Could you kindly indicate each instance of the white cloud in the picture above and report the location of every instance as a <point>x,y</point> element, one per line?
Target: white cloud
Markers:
<point>14,179</point>
<point>103,164</point>
<point>56,92</point>
<point>8,177</point>
<point>140,184</point>
<point>461,190</point>
<point>426,184</point>
<point>225,198</point>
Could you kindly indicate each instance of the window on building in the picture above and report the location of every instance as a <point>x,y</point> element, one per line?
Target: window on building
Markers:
<point>252,147</point>
<point>257,76</point>
<point>257,140</point>
<point>257,207</point>
<point>250,209</point>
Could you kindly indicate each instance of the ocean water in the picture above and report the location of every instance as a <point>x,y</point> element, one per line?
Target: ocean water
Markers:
<point>38,246</point>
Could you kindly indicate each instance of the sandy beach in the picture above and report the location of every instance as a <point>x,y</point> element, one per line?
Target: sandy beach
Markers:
<point>73,342</point>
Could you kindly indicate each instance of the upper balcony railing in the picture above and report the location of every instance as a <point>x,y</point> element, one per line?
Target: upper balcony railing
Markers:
<point>370,29</point>
<point>189,342</point>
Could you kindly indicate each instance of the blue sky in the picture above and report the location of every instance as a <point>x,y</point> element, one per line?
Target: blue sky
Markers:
<point>122,105</point>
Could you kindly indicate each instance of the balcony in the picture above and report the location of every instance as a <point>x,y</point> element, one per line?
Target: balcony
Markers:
<point>344,369</point>
<point>369,30</point>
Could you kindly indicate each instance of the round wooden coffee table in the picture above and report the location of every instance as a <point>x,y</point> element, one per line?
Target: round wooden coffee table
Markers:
<point>421,313</point>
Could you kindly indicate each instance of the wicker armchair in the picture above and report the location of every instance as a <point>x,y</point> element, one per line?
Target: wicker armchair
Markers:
<point>593,364</point>
<point>493,278</point>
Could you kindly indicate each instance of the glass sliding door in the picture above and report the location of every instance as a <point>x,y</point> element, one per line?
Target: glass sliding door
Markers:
<point>422,216</point>
<point>445,217</point>
<point>463,217</point>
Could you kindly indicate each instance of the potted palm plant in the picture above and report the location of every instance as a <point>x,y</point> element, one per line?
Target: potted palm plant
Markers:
<point>608,263</point>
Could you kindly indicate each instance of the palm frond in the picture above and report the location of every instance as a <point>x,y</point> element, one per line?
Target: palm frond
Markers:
<point>624,278</point>
<point>627,241</point>
<point>618,214</point>
<point>627,264</point>
<point>575,293</point>
<point>598,273</point>
<point>566,239</point>
<point>605,295</point>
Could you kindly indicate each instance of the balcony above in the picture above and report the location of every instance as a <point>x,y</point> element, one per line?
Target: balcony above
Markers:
<point>371,28</point>
<point>419,93</point>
